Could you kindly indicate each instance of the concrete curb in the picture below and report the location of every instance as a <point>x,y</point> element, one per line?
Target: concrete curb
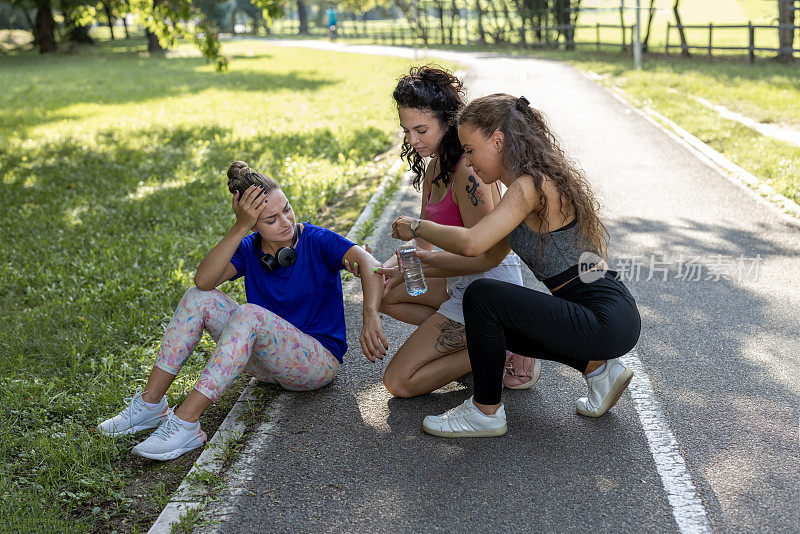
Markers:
<point>762,192</point>
<point>190,496</point>
<point>369,209</point>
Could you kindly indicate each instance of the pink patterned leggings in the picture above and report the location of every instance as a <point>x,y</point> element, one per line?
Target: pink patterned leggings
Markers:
<point>249,338</point>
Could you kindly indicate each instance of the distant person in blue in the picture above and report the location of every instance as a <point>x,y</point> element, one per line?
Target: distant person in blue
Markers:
<point>290,332</point>
<point>331,13</point>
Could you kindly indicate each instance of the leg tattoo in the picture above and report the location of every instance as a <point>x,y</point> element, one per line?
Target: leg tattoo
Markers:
<point>452,337</point>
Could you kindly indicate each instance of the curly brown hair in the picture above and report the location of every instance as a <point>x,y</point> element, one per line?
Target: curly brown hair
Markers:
<point>531,148</point>
<point>437,90</point>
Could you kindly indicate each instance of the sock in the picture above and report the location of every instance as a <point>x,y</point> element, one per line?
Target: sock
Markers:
<point>187,425</point>
<point>596,371</point>
<point>478,410</point>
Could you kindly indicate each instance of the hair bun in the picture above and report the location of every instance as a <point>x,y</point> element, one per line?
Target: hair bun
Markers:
<point>236,170</point>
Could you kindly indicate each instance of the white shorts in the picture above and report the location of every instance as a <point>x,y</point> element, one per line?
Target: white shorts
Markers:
<point>507,271</point>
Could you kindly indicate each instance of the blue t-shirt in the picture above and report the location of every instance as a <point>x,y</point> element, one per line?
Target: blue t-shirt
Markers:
<point>308,294</point>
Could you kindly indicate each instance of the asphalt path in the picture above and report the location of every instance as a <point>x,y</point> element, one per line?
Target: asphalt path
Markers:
<point>721,354</point>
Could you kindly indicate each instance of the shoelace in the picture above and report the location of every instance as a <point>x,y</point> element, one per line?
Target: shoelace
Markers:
<point>452,411</point>
<point>510,369</point>
<point>129,402</point>
<point>461,409</point>
<point>169,427</point>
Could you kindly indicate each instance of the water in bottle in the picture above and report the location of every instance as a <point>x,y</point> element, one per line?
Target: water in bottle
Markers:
<point>412,270</point>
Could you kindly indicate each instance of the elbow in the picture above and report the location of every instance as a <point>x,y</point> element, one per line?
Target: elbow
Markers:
<point>199,283</point>
<point>470,250</point>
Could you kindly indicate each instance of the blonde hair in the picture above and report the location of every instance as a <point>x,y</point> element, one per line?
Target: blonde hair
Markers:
<point>531,148</point>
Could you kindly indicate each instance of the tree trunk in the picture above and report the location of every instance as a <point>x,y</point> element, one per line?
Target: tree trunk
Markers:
<point>684,46</point>
<point>651,14</point>
<point>508,22</point>
<point>481,30</point>
<point>76,33</point>
<point>110,17</point>
<point>124,12</point>
<point>153,45</point>
<point>497,33</point>
<point>45,26</point>
<point>569,17</point>
<point>302,17</point>
<point>786,30</point>
<point>422,21</point>
<point>233,21</point>
<point>455,22</point>
<point>440,9</point>
<point>622,22</point>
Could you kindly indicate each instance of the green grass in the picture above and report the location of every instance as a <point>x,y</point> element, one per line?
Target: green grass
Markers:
<point>718,12</point>
<point>112,178</point>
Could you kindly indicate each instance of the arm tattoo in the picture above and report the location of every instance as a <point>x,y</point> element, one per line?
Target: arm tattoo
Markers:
<point>451,337</point>
<point>474,195</point>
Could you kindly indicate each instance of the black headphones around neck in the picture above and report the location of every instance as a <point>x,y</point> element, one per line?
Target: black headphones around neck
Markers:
<point>284,256</point>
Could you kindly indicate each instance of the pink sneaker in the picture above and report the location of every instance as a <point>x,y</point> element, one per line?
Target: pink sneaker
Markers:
<point>521,372</point>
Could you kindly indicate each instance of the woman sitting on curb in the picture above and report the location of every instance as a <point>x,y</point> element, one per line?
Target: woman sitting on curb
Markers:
<point>290,332</point>
<point>549,217</point>
<point>428,100</point>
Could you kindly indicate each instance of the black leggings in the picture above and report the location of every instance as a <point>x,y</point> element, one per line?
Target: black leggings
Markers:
<point>581,322</point>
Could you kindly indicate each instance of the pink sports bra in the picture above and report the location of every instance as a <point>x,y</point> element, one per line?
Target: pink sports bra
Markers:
<point>446,210</point>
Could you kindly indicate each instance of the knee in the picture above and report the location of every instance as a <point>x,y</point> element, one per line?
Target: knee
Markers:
<point>478,292</point>
<point>194,293</point>
<point>397,386</point>
<point>246,312</point>
<point>194,297</point>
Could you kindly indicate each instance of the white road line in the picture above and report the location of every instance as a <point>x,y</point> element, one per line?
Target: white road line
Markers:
<point>687,507</point>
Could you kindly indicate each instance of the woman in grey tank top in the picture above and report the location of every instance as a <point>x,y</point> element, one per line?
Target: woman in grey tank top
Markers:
<point>549,218</point>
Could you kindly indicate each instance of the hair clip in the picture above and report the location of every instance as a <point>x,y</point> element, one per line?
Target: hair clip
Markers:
<point>522,103</point>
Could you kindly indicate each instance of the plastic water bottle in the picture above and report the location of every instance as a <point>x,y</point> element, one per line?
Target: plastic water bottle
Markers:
<point>412,270</point>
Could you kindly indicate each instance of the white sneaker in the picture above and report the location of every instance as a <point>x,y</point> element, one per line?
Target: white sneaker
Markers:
<point>605,389</point>
<point>465,421</point>
<point>170,440</point>
<point>135,417</point>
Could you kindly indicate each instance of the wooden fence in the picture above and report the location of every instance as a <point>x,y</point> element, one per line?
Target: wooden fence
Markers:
<point>751,47</point>
<point>401,33</point>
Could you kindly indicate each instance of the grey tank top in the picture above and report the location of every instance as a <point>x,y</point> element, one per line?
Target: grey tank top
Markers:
<point>551,254</point>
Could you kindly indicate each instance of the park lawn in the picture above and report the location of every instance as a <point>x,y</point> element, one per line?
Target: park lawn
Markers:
<point>112,170</point>
<point>717,12</point>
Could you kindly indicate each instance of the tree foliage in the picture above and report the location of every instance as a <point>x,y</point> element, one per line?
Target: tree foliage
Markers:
<point>197,21</point>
